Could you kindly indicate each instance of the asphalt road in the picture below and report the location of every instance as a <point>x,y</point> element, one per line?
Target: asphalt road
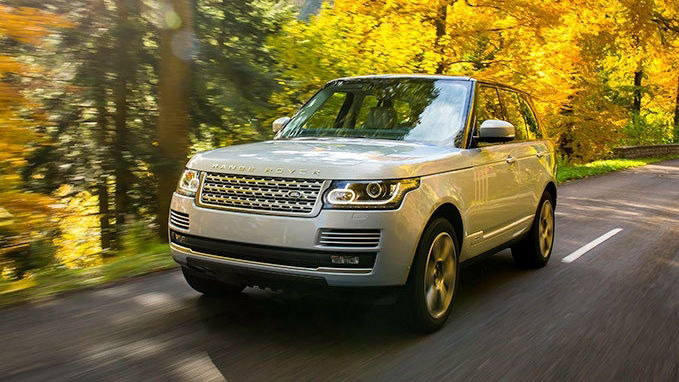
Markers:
<point>610,315</point>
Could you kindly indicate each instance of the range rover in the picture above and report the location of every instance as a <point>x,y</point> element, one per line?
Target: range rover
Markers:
<point>377,181</point>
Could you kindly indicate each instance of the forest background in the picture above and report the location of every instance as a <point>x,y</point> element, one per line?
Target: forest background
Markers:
<point>103,101</point>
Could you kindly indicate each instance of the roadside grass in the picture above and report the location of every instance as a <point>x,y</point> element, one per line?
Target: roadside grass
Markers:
<point>58,279</point>
<point>577,171</point>
<point>147,256</point>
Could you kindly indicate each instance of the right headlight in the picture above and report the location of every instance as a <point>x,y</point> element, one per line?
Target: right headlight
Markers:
<point>370,194</point>
<point>189,182</point>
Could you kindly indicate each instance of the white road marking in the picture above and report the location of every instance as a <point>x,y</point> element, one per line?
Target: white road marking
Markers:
<point>587,247</point>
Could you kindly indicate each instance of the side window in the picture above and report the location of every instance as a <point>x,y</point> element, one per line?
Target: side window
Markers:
<point>512,104</point>
<point>369,102</point>
<point>487,106</point>
<point>403,113</point>
<point>534,132</point>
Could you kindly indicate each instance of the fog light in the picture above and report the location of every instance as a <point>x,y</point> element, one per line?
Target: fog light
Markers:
<point>178,238</point>
<point>344,259</point>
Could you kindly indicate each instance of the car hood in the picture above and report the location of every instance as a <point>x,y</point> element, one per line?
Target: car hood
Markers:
<point>336,158</point>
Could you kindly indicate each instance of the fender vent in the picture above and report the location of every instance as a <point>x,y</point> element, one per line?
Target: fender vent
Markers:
<point>179,219</point>
<point>349,238</point>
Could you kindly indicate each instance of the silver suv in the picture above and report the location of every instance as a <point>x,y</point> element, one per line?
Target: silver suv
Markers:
<point>377,181</point>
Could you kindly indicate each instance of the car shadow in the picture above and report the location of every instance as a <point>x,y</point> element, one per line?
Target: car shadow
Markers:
<point>308,329</point>
<point>313,317</point>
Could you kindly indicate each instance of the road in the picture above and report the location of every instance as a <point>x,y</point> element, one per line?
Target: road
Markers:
<point>611,314</point>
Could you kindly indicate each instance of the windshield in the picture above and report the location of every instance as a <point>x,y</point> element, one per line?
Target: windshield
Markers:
<point>416,110</point>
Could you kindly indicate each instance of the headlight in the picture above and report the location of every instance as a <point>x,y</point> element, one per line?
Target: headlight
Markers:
<point>372,194</point>
<point>188,183</point>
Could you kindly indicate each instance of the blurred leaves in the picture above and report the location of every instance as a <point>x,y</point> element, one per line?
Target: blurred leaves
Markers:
<point>25,217</point>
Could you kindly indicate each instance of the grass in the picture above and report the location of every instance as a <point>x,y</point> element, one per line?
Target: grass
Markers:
<point>56,280</point>
<point>577,171</point>
<point>145,257</point>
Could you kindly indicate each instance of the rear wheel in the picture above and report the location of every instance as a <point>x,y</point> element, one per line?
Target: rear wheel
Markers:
<point>209,286</point>
<point>535,249</point>
<point>432,284</point>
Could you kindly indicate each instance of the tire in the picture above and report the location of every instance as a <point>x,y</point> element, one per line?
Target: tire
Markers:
<point>209,286</point>
<point>432,284</point>
<point>534,250</point>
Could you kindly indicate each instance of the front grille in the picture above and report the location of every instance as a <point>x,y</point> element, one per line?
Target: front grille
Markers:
<point>179,219</point>
<point>349,238</point>
<point>260,194</point>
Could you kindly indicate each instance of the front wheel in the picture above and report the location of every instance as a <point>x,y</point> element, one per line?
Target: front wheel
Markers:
<point>535,249</point>
<point>432,284</point>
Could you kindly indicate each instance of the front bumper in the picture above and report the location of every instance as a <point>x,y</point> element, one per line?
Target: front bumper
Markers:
<point>239,244</point>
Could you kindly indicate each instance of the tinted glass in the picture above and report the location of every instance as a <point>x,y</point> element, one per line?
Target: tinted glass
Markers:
<point>531,120</point>
<point>511,102</point>
<point>487,106</point>
<point>420,110</point>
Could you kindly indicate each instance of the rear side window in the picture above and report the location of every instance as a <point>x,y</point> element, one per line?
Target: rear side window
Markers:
<point>512,104</point>
<point>534,132</point>
<point>488,106</point>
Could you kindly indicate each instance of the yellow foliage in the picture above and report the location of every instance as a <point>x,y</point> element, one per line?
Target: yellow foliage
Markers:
<point>576,57</point>
<point>78,242</point>
<point>26,215</point>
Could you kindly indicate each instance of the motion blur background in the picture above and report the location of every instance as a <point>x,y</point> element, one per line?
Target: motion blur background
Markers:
<point>103,101</point>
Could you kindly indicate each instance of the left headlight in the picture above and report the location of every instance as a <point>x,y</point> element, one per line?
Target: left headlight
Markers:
<point>372,194</point>
<point>189,182</point>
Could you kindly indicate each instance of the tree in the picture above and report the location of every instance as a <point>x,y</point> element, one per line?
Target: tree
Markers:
<point>177,48</point>
<point>24,216</point>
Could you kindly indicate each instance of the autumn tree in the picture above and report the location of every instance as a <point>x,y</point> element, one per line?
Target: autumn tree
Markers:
<point>24,216</point>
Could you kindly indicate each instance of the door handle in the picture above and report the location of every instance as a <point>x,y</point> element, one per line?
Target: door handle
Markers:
<point>510,159</point>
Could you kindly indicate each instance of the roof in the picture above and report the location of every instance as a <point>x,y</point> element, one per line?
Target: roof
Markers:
<point>404,76</point>
<point>428,77</point>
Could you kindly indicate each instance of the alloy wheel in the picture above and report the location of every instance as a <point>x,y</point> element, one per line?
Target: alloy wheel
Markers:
<point>546,228</point>
<point>440,274</point>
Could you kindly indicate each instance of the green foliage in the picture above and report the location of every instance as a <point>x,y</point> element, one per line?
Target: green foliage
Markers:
<point>568,171</point>
<point>50,280</point>
<point>643,130</point>
<point>233,80</point>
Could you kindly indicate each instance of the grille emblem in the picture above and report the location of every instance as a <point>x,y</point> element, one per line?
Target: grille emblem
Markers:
<point>295,194</point>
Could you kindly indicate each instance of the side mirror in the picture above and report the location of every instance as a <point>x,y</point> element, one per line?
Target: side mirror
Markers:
<point>494,130</point>
<point>280,123</point>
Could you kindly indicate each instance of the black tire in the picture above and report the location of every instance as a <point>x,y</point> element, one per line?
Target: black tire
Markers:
<point>209,286</point>
<point>414,300</point>
<point>531,251</point>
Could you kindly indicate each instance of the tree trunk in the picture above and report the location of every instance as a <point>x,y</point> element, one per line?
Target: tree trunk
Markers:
<point>121,144</point>
<point>440,23</point>
<point>103,149</point>
<point>173,106</point>
<point>637,94</point>
<point>102,178</point>
<point>676,114</point>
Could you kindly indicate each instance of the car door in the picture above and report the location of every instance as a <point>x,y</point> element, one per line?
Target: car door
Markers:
<point>539,163</point>
<point>523,150</point>
<point>496,179</point>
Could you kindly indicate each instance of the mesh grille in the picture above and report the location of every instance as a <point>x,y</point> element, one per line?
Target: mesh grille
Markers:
<point>349,238</point>
<point>257,193</point>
